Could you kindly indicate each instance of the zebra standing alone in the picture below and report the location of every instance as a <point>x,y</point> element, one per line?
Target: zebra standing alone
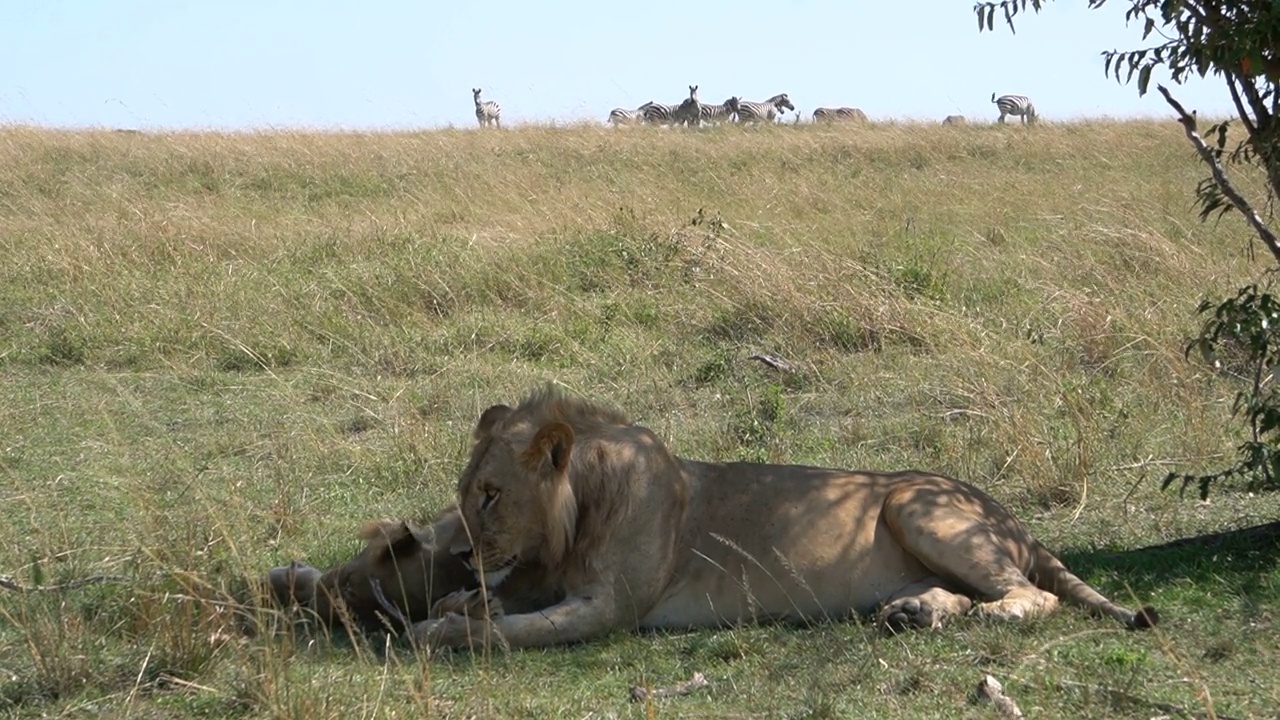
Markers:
<point>486,111</point>
<point>767,110</point>
<point>842,114</point>
<point>1015,105</point>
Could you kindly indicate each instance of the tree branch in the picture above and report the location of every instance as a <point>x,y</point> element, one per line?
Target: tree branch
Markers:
<point>1250,91</point>
<point>1220,176</point>
<point>1235,98</point>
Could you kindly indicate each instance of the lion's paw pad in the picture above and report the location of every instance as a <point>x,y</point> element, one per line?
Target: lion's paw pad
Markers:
<point>907,613</point>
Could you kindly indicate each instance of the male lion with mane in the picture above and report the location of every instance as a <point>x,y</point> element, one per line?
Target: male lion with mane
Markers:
<point>578,522</point>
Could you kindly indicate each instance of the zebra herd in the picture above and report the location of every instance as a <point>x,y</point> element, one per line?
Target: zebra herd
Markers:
<point>692,112</point>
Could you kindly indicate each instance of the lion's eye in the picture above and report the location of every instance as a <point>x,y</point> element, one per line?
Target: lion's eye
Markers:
<point>490,497</point>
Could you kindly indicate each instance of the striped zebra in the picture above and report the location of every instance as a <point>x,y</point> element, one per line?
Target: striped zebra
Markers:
<point>716,114</point>
<point>623,116</point>
<point>487,111</point>
<point>688,112</point>
<point>955,120</point>
<point>1015,105</point>
<point>765,111</point>
<point>656,113</point>
<point>842,114</point>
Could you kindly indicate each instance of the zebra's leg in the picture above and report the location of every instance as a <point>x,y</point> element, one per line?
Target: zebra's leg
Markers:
<point>497,122</point>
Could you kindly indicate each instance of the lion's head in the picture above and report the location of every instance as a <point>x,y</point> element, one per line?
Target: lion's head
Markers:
<point>398,556</point>
<point>522,492</point>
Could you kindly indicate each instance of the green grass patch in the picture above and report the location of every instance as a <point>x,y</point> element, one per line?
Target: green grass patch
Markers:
<point>220,352</point>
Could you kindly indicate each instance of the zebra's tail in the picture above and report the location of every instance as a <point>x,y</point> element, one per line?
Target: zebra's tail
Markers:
<point>993,97</point>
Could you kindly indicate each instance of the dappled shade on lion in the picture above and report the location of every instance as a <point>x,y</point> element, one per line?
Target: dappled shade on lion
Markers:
<point>579,522</point>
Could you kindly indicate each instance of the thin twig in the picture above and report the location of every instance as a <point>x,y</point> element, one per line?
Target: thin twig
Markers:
<point>773,361</point>
<point>174,680</point>
<point>640,693</point>
<point>1220,175</point>
<point>1152,461</point>
<point>1120,696</point>
<point>7,582</point>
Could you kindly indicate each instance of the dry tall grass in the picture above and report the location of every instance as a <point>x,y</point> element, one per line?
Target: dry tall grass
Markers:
<point>222,351</point>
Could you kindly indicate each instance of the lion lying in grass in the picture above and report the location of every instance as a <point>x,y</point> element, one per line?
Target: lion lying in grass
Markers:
<point>580,523</point>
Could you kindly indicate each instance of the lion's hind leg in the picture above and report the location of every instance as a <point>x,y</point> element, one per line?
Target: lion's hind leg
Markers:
<point>978,549</point>
<point>1019,603</point>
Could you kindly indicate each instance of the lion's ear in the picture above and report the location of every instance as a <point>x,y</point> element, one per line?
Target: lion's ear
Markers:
<point>396,537</point>
<point>488,419</point>
<point>381,528</point>
<point>553,443</point>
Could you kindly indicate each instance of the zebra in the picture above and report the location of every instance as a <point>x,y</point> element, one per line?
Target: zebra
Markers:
<point>623,116</point>
<point>842,114</point>
<point>657,113</point>
<point>487,111</point>
<point>724,112</point>
<point>955,120</point>
<point>1015,105</point>
<point>690,111</point>
<point>687,112</point>
<point>767,110</point>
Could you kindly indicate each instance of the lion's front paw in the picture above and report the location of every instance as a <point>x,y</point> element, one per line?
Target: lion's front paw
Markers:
<point>908,612</point>
<point>457,631</point>
<point>473,604</point>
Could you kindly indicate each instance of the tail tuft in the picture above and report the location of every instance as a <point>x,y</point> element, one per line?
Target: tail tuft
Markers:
<point>1145,618</point>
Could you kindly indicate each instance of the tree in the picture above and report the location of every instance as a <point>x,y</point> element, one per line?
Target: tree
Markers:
<point>1239,41</point>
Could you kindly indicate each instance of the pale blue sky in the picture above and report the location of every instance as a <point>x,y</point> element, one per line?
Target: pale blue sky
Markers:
<point>407,63</point>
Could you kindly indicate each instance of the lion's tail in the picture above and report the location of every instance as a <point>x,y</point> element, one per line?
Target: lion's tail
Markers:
<point>1052,576</point>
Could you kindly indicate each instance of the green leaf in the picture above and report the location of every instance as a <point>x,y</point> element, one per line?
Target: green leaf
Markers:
<point>1144,78</point>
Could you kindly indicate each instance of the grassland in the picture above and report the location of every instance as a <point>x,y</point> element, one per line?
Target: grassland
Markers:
<point>218,352</point>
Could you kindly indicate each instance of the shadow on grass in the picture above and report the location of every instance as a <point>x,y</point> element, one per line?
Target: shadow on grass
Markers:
<point>1240,559</point>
